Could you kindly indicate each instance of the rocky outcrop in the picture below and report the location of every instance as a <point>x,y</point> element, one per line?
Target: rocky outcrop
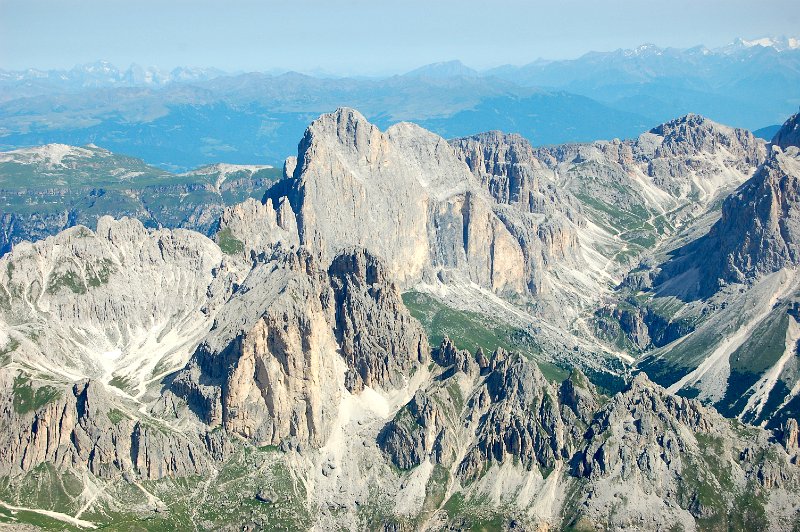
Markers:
<point>269,369</point>
<point>646,421</point>
<point>788,134</point>
<point>407,196</point>
<point>120,302</point>
<point>419,431</point>
<point>380,342</point>
<point>508,168</point>
<point>256,226</point>
<point>642,326</point>
<point>579,402</point>
<point>539,214</point>
<point>81,426</point>
<point>790,436</point>
<point>757,233</point>
<point>519,417</point>
<point>760,225</point>
<point>644,189</point>
<point>119,306</point>
<point>679,454</point>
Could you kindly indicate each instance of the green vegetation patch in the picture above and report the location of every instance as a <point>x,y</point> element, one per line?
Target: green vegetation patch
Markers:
<point>228,243</point>
<point>116,416</point>
<point>471,330</point>
<point>100,273</point>
<point>27,399</point>
<point>473,513</point>
<point>67,279</point>
<point>757,354</point>
<point>121,383</point>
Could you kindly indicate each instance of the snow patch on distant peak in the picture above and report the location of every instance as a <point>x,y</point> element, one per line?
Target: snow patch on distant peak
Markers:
<point>780,44</point>
<point>644,49</point>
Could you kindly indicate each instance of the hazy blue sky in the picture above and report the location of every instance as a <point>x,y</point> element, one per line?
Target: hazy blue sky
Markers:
<point>359,36</point>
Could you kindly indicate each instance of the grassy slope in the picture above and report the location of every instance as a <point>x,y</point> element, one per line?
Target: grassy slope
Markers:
<point>470,330</point>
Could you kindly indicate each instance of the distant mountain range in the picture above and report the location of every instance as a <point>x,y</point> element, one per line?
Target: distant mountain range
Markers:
<point>188,117</point>
<point>48,188</point>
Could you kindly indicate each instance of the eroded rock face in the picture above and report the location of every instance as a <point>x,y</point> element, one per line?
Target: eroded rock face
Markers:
<point>80,426</point>
<point>519,417</point>
<point>679,168</point>
<point>272,370</point>
<point>508,168</point>
<point>356,186</point>
<point>539,214</point>
<point>760,225</point>
<point>681,460</point>
<point>790,436</point>
<point>407,196</point>
<point>642,424</point>
<point>259,226</point>
<point>120,301</point>
<point>380,342</point>
<point>788,134</point>
<point>678,454</point>
<point>757,233</point>
<point>420,430</point>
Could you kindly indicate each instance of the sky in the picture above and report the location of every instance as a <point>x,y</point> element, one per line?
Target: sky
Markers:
<point>360,37</point>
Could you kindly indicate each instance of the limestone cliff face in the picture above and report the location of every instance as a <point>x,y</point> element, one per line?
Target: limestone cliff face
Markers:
<point>276,363</point>
<point>657,419</point>
<point>541,216</point>
<point>788,134</point>
<point>356,186</point>
<point>760,226</point>
<point>420,430</point>
<point>380,342</point>
<point>407,196</point>
<point>79,426</point>
<point>258,226</point>
<point>507,166</point>
<point>757,233</point>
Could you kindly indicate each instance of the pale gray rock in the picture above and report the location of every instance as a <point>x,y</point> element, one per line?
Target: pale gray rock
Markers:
<point>406,195</point>
<point>83,426</point>
<point>420,431</point>
<point>258,225</point>
<point>757,233</point>
<point>120,302</point>
<point>379,340</point>
<point>270,368</point>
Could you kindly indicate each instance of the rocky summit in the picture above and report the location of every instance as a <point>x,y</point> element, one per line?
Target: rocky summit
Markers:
<point>404,332</point>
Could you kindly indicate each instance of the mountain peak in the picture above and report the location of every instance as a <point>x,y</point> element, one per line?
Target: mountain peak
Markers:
<point>691,122</point>
<point>780,44</point>
<point>789,133</point>
<point>445,69</point>
<point>646,49</point>
<point>346,125</point>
